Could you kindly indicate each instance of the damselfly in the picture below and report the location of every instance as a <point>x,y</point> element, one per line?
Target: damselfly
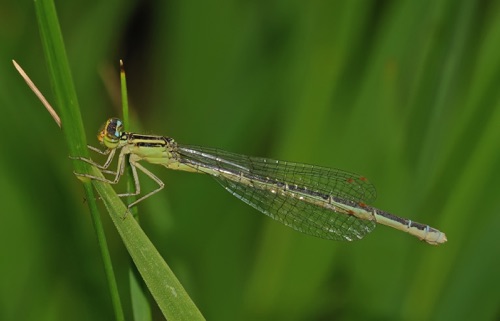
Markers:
<point>323,202</point>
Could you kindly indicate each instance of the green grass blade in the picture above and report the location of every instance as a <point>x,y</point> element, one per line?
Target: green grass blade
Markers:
<point>141,308</point>
<point>123,86</point>
<point>72,125</point>
<point>172,299</point>
<point>140,304</point>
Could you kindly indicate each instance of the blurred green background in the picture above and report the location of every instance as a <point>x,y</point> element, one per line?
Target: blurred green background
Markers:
<point>406,93</point>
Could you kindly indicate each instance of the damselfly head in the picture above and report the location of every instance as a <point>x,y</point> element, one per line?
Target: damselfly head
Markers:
<point>110,133</point>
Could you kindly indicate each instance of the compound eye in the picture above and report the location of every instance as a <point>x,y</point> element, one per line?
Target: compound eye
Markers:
<point>114,128</point>
<point>111,132</point>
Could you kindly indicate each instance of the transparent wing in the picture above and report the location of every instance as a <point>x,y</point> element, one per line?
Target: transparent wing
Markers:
<point>299,215</point>
<point>329,181</point>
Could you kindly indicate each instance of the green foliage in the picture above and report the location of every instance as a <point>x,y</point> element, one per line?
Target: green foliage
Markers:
<point>163,285</point>
<point>405,93</point>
